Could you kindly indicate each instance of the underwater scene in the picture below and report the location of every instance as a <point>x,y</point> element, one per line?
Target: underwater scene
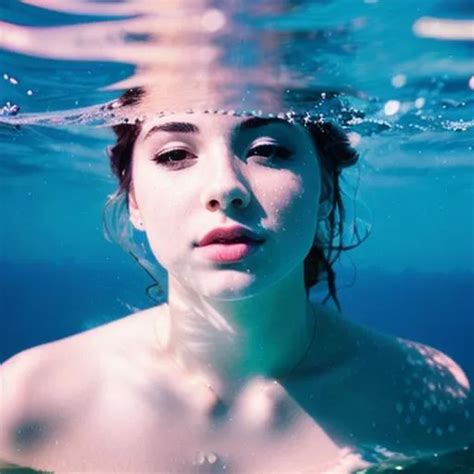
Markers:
<point>396,76</point>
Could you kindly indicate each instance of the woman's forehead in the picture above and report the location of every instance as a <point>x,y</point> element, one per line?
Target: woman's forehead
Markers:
<point>194,122</point>
<point>200,123</point>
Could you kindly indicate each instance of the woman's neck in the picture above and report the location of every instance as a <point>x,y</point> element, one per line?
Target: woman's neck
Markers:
<point>227,342</point>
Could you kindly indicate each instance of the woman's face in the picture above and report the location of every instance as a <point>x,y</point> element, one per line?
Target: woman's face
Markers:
<point>192,173</point>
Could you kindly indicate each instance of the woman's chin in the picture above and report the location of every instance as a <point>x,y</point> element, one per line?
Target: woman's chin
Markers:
<point>231,287</point>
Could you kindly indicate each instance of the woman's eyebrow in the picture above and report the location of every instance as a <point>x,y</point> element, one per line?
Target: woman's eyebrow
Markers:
<point>257,122</point>
<point>186,127</point>
<point>173,127</point>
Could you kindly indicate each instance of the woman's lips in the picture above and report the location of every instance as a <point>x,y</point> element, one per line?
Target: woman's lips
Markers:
<point>229,252</point>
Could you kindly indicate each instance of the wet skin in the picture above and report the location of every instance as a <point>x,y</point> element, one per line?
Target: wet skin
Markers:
<point>160,389</point>
<point>108,400</point>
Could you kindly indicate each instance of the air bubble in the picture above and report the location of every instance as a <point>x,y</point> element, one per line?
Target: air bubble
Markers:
<point>399,80</point>
<point>391,107</point>
<point>9,109</point>
<point>354,138</point>
<point>213,20</point>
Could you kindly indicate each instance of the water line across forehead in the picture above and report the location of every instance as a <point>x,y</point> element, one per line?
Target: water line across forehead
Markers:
<point>191,128</point>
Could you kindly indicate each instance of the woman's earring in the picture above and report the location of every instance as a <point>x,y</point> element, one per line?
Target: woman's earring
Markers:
<point>137,223</point>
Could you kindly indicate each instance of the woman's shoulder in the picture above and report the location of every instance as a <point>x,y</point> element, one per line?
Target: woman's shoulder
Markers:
<point>48,384</point>
<point>74,354</point>
<point>419,398</point>
<point>436,396</point>
<point>92,342</point>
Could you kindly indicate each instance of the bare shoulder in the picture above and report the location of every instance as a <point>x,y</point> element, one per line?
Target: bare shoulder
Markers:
<point>398,394</point>
<point>424,394</point>
<point>44,388</point>
<point>437,396</point>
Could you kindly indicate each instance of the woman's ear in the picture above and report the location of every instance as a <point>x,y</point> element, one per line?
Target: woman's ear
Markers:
<point>134,210</point>
<point>326,197</point>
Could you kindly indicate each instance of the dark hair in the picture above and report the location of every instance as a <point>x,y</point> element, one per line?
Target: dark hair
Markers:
<point>335,154</point>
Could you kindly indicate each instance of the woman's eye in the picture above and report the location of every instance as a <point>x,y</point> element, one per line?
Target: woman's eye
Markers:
<point>174,158</point>
<point>270,150</point>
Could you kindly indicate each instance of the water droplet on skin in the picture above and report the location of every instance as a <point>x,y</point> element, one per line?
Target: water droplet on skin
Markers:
<point>211,458</point>
<point>200,458</point>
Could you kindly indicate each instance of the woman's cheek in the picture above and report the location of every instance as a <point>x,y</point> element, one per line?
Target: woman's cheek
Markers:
<point>286,197</point>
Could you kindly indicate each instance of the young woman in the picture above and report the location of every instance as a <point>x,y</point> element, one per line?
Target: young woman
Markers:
<point>238,371</point>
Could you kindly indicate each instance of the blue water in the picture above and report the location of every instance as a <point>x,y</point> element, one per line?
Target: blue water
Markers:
<point>413,277</point>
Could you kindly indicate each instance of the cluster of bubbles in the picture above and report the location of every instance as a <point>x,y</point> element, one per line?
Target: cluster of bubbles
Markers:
<point>358,113</point>
<point>10,109</point>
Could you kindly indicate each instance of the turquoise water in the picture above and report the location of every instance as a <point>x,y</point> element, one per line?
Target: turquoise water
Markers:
<point>403,79</point>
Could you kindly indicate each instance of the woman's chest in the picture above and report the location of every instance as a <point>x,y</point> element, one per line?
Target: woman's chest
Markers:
<point>164,432</point>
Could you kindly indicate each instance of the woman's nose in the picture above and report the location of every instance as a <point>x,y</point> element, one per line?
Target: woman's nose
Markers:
<point>225,186</point>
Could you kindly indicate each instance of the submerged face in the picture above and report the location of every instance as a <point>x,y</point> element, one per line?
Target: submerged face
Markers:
<point>192,173</point>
